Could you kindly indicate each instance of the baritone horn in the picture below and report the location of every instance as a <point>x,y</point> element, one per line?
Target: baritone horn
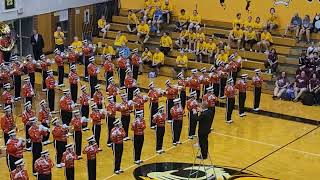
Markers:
<point>6,42</point>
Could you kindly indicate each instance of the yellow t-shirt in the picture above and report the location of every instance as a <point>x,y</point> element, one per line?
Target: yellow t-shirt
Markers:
<point>158,58</point>
<point>77,46</point>
<point>148,54</point>
<point>266,36</point>
<point>248,24</point>
<point>145,29</point>
<point>166,41</point>
<point>195,19</point>
<point>120,40</point>
<point>133,19</point>
<point>58,38</point>
<point>183,18</point>
<point>258,26</point>
<point>200,35</point>
<point>156,4</point>
<point>211,47</point>
<point>184,33</point>
<point>237,33</point>
<point>250,35</point>
<point>109,50</point>
<point>102,23</point>
<point>223,57</point>
<point>182,61</point>
<point>147,4</point>
<point>237,21</point>
<point>201,45</point>
<point>192,36</point>
<point>273,19</point>
<point>165,7</point>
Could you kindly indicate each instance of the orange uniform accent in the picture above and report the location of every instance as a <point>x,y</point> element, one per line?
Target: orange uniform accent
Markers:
<point>7,123</point>
<point>160,119</point>
<point>17,69</point>
<point>91,151</point>
<point>125,108</point>
<point>44,115</point>
<point>7,97</point>
<point>86,50</point>
<point>192,104</point>
<point>92,69</point>
<point>194,83</point>
<point>59,60</point>
<point>223,72</point>
<point>229,91</point>
<point>135,59</point>
<point>129,82</point>
<point>50,82</point>
<point>96,117</point>
<point>183,83</point>
<point>122,63</point>
<point>27,90</point>
<point>138,126</point>
<point>139,102</point>
<point>241,86</point>
<point>112,90</point>
<point>233,66</point>
<point>257,81</point>
<point>19,175</point>
<point>206,80</point>
<point>210,98</point>
<point>177,113</point>
<point>15,148</point>
<point>31,66</point>
<point>36,134</point>
<point>112,109</point>
<point>44,65</point>
<point>98,97</point>
<point>108,66</point>
<point>68,159</point>
<point>26,115</point>
<point>5,76</point>
<point>43,166</point>
<point>172,92</point>
<point>76,123</point>
<point>214,79</point>
<point>66,103</point>
<point>154,95</point>
<point>117,135</point>
<point>84,99</point>
<point>73,77</point>
<point>72,57</point>
<point>59,133</point>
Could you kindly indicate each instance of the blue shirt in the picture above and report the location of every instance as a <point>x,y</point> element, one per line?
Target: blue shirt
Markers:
<point>158,14</point>
<point>296,20</point>
<point>126,51</point>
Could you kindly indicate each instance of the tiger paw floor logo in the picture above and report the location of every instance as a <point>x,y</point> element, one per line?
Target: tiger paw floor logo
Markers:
<point>282,2</point>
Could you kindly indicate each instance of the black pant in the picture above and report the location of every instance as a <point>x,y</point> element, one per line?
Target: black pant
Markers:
<point>77,136</point>
<point>117,153</point>
<point>86,63</point>
<point>46,138</point>
<point>6,56</point>
<point>192,123</point>
<point>108,75</point>
<point>272,67</point>
<point>74,92</point>
<point>257,96</point>
<point>170,104</point>
<point>93,80</point>
<point>122,76</point>
<point>242,100</point>
<point>28,140</point>
<point>60,74</point>
<point>216,89</point>
<point>177,127</point>
<point>230,107</point>
<point>37,53</point>
<point>165,50</point>
<point>17,86</point>
<point>51,99</point>
<point>223,82</point>
<point>60,149</point>
<point>10,162</point>
<point>85,113</point>
<point>135,72</point>
<point>44,177</point>
<point>159,135</point>
<point>36,153</point>
<point>92,166</point>
<point>203,143</point>
<point>28,99</point>
<point>69,173</point>
<point>204,89</point>
<point>32,79</point>
<point>153,110</point>
<point>44,76</point>
<point>234,76</point>
<point>96,130</point>
<point>137,145</point>
<point>110,121</point>
<point>130,93</point>
<point>125,120</point>
<point>66,116</point>
<point>60,47</point>
<point>6,137</point>
<point>250,42</point>
<point>183,98</point>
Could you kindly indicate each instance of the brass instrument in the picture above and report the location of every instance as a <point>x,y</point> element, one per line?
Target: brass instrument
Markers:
<point>7,43</point>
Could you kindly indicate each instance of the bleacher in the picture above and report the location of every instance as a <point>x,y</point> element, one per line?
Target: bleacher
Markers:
<point>287,48</point>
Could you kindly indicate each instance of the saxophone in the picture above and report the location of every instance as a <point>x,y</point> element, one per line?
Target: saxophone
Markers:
<point>6,42</point>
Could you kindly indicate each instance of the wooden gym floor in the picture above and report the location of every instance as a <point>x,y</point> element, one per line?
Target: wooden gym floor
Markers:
<point>271,147</point>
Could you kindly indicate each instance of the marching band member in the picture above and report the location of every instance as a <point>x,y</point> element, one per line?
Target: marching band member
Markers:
<point>117,136</point>
<point>84,103</point>
<point>98,98</point>
<point>138,126</point>
<point>51,84</point>
<point>229,92</point>
<point>210,99</point>
<point>130,83</point>
<point>87,51</point>
<point>122,65</point>
<point>96,116</point>
<point>139,100</point>
<point>205,80</point>
<point>66,107</point>
<point>125,108</point>
<point>14,149</point>
<point>182,84</point>
<point>27,90</point>
<point>93,72</point>
<point>214,79</point>
<point>68,158</point>
<point>257,83</point>
<point>43,166</point>
<point>136,63</point>
<point>108,67</point>
<point>112,89</point>
<point>26,115</point>
<point>72,56</point>
<point>45,117</point>
<point>194,82</point>
<point>36,133</point>
<point>7,123</point>
<point>91,150</point>
<point>177,116</point>
<point>31,66</point>
<point>171,93</point>
<point>160,119</point>
<point>111,117</point>
<point>242,88</point>
<point>5,74</point>
<point>76,123</point>
<point>17,68</point>
<point>60,136</point>
<point>7,97</point>
<point>154,95</point>
<point>233,67</point>
<point>193,106</point>
<point>20,173</point>
<point>73,81</point>
<point>223,76</point>
<point>44,64</point>
<point>59,61</point>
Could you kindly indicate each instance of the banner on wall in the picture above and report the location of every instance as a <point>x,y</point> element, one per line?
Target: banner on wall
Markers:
<point>9,4</point>
<point>282,2</point>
